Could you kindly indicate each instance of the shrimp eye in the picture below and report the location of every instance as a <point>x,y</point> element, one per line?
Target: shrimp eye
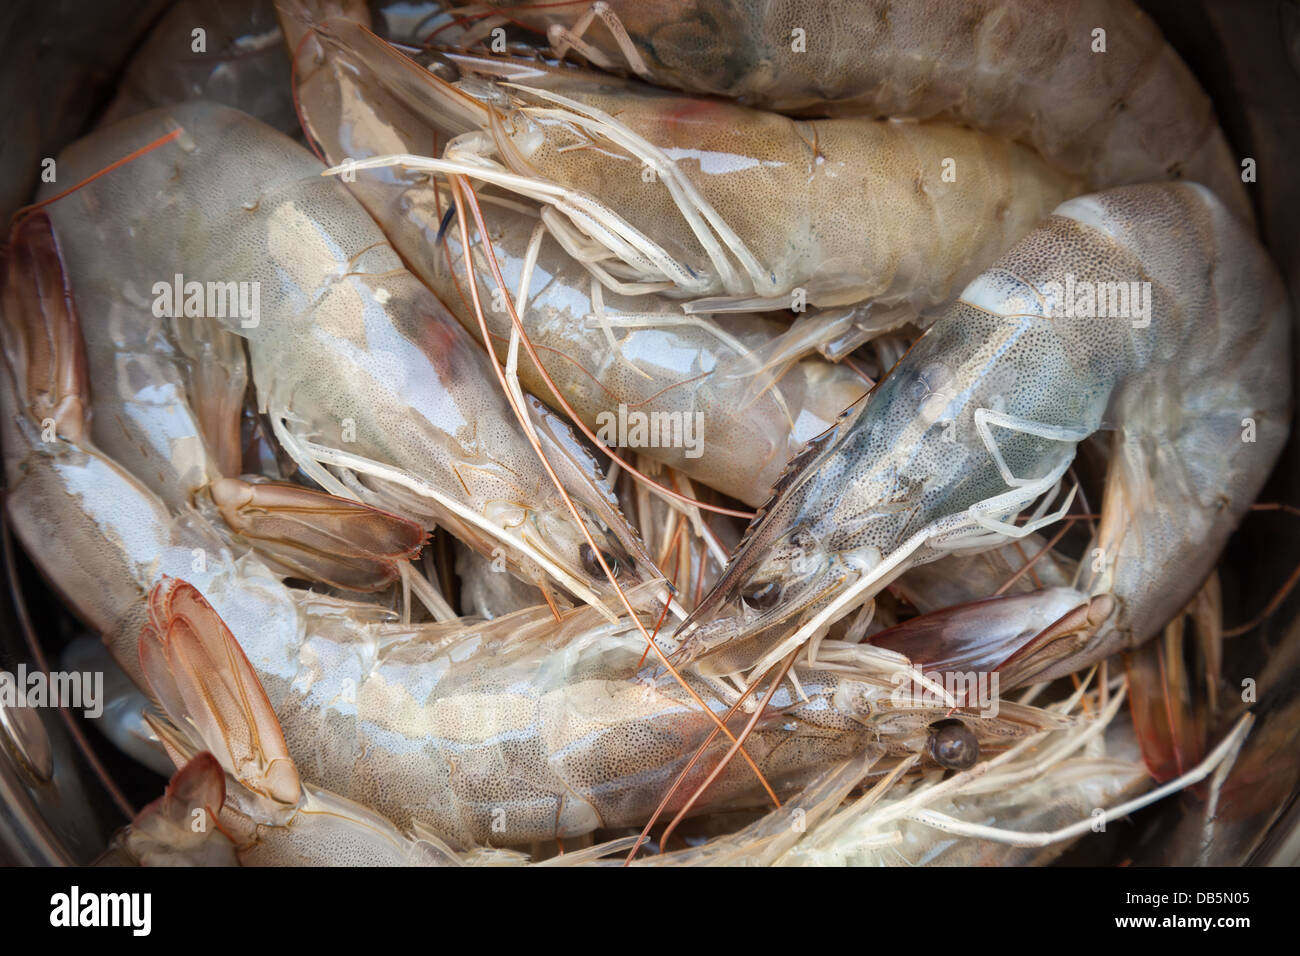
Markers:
<point>952,745</point>
<point>762,597</point>
<point>592,566</point>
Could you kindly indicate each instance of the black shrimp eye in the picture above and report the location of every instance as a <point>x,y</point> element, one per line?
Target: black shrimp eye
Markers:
<point>952,745</point>
<point>592,566</point>
<point>762,597</point>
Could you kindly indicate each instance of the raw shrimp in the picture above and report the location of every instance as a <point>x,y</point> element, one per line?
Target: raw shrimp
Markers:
<point>1091,84</point>
<point>523,729</point>
<point>242,63</point>
<point>170,395</point>
<point>517,729</point>
<point>706,198</point>
<point>358,365</point>
<point>983,416</point>
<point>614,358</point>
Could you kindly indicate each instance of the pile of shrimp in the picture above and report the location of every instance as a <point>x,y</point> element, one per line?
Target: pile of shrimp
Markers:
<point>718,432</point>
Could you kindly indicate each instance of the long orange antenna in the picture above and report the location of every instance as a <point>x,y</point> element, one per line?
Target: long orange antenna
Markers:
<point>26,211</point>
<point>466,197</point>
<point>569,410</point>
<point>722,765</point>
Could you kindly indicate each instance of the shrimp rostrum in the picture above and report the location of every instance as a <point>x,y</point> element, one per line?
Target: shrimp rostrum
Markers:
<point>1145,311</point>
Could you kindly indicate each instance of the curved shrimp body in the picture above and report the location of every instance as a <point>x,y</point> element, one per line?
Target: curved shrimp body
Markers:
<point>681,194</point>
<point>1091,84</point>
<point>525,728</point>
<point>519,730</point>
<point>890,212</point>
<point>983,416</point>
<point>97,533</point>
<point>357,364</point>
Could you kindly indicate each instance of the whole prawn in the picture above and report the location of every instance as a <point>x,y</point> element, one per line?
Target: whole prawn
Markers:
<point>981,420</point>
<point>357,364</point>
<point>1091,84</point>
<point>661,192</point>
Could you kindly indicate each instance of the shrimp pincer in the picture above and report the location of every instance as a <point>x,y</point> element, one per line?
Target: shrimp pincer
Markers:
<point>1091,84</point>
<point>982,418</point>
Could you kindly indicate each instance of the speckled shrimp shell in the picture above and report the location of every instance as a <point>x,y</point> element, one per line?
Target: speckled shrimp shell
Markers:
<point>1091,84</point>
<point>656,191</point>
<point>1147,311</point>
<point>359,367</point>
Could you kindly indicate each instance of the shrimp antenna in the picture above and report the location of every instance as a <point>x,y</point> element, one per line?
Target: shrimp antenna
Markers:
<point>738,742</point>
<point>660,489</point>
<point>467,198</point>
<point>25,211</point>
